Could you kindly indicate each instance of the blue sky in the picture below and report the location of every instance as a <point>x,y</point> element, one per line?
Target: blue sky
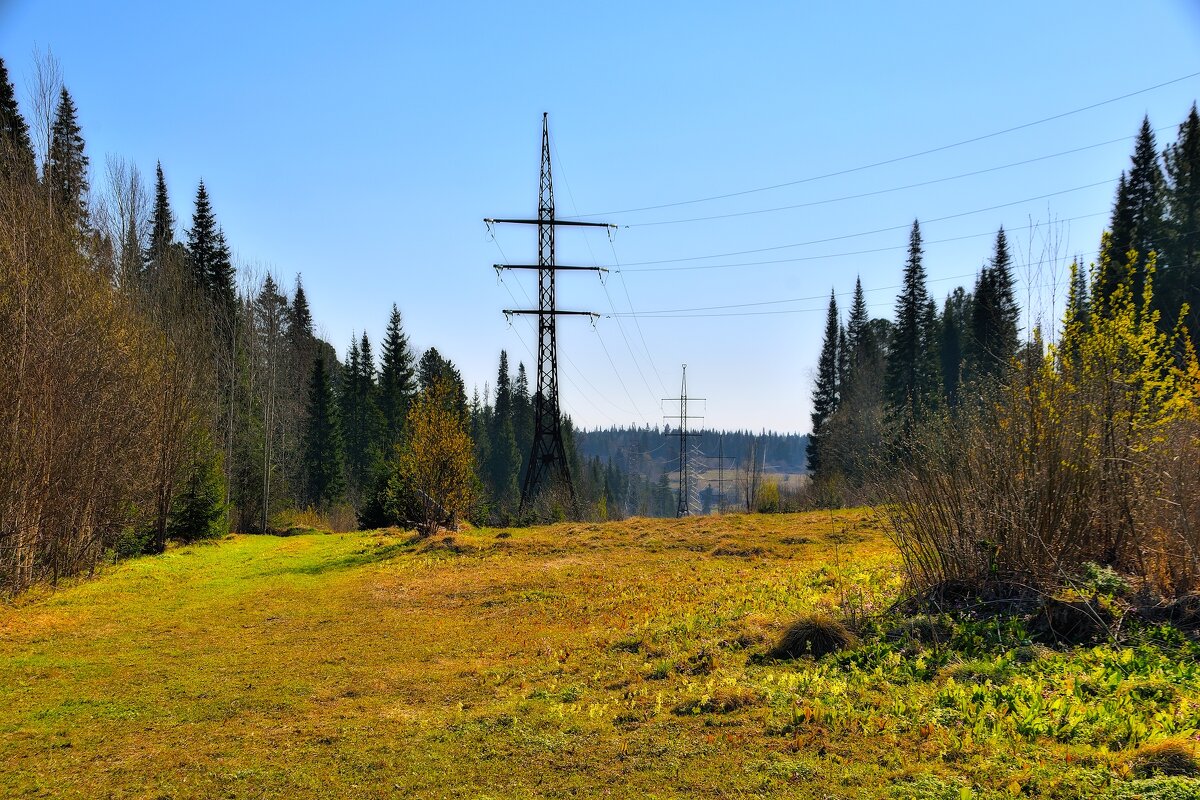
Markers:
<point>362,145</point>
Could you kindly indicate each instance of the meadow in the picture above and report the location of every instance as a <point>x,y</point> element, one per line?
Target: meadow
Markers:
<point>625,659</point>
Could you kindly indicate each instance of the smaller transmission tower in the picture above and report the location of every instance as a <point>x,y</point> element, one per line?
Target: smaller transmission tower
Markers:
<point>683,507</point>
<point>721,481</point>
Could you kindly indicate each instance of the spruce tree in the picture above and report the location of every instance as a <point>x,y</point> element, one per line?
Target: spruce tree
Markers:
<point>504,465</point>
<point>16,150</point>
<point>913,376</point>
<point>397,381</point>
<point>955,315</point>
<point>843,361</point>
<point>323,466</point>
<point>202,242</point>
<point>372,419</point>
<point>209,257</point>
<point>995,316</point>
<point>1180,276</point>
<point>433,367</point>
<point>858,330</point>
<point>825,397</point>
<point>350,411</point>
<point>1077,318</point>
<point>162,227</point>
<point>198,511</point>
<point>522,420</point>
<point>68,166</point>
<point>1138,215</point>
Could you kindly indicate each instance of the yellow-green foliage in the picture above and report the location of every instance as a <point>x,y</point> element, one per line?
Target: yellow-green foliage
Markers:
<point>616,659</point>
<point>1086,453</point>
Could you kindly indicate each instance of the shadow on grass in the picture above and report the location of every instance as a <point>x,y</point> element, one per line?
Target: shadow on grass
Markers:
<point>367,555</point>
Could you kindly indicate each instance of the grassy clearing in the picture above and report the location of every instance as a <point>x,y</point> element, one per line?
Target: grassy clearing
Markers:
<point>622,660</point>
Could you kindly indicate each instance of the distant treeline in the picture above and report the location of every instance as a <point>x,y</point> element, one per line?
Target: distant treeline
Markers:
<point>656,449</point>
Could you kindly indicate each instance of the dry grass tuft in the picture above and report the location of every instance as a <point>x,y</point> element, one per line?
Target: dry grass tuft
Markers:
<point>815,635</point>
<point>722,701</point>
<point>1175,756</point>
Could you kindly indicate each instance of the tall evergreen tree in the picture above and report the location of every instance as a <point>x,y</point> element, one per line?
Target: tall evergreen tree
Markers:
<point>825,397</point>
<point>16,149</point>
<point>68,166</point>
<point>209,257</point>
<point>994,316</point>
<point>1078,315</point>
<point>433,366</point>
<point>397,380</point>
<point>955,315</point>
<point>505,462</point>
<point>913,375</point>
<point>1138,214</point>
<point>1180,279</point>
<point>324,484</point>
<point>858,330</point>
<point>522,419</point>
<point>162,226</point>
<point>843,361</point>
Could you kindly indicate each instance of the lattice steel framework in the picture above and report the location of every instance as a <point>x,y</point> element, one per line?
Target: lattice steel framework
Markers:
<point>547,463</point>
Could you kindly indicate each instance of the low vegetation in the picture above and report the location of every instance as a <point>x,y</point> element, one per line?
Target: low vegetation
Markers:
<point>634,657</point>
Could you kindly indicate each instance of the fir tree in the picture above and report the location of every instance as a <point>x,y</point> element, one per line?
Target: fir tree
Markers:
<point>858,330</point>
<point>843,361</point>
<point>198,511</point>
<point>16,150</point>
<point>209,257</point>
<point>1180,276</point>
<point>522,420</point>
<point>433,367</point>
<point>162,227</point>
<point>1077,318</point>
<point>913,375</point>
<point>955,316</point>
<point>324,485</point>
<point>1138,215</point>
<point>994,316</point>
<point>68,166</point>
<point>824,398</point>
<point>504,465</point>
<point>301,317</point>
<point>397,381</point>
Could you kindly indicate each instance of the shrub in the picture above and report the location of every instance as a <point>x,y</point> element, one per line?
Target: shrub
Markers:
<point>1084,454</point>
<point>815,635</point>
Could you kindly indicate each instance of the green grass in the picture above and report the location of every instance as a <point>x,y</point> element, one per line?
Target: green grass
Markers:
<point>621,660</point>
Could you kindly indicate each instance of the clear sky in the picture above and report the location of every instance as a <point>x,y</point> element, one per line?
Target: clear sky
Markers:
<point>362,144</point>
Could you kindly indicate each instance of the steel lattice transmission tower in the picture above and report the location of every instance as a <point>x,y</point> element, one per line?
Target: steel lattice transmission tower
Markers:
<point>547,456</point>
<point>683,506</point>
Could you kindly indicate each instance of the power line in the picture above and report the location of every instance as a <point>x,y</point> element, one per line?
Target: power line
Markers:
<point>686,313</point>
<point>861,233</point>
<point>637,324</point>
<point>571,363</point>
<point>848,252</point>
<point>889,190</point>
<point>897,159</point>
<point>611,305</point>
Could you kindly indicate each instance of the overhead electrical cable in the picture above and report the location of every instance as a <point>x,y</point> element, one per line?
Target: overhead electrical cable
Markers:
<point>846,253</point>
<point>843,237</point>
<point>621,328</point>
<point>889,190</point>
<point>898,159</point>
